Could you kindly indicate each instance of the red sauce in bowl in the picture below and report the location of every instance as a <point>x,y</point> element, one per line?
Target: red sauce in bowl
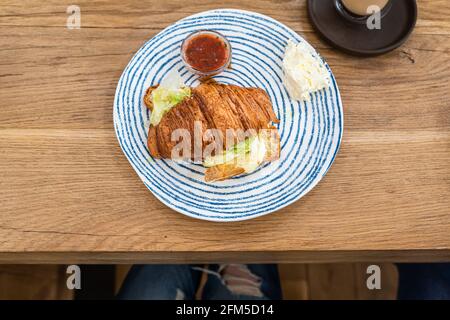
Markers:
<point>206,52</point>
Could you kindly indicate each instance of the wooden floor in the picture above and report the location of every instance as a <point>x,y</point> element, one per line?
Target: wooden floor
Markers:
<point>41,282</point>
<point>335,281</point>
<point>299,281</point>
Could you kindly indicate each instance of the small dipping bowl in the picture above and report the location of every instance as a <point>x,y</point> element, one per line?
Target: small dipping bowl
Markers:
<point>206,52</point>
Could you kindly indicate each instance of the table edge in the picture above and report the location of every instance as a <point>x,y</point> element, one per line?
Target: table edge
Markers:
<point>187,257</point>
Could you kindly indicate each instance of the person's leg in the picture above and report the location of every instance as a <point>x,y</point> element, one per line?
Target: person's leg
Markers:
<point>160,282</point>
<point>242,282</point>
<point>430,281</point>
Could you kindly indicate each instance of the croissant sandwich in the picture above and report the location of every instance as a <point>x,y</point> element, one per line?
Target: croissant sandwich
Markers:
<point>226,127</point>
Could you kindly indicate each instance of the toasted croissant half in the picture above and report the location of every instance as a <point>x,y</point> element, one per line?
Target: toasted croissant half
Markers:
<point>221,107</point>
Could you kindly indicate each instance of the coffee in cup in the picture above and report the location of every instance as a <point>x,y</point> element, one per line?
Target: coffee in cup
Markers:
<point>360,7</point>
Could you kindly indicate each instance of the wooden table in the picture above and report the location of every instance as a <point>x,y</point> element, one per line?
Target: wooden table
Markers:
<point>68,195</point>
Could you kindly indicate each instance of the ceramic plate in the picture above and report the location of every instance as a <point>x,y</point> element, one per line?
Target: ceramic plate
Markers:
<point>310,132</point>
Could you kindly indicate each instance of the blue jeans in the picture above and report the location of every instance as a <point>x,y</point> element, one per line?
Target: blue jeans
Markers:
<point>169,282</point>
<point>424,281</point>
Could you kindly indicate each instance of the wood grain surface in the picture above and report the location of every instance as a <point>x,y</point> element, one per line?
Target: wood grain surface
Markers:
<point>33,282</point>
<point>67,193</point>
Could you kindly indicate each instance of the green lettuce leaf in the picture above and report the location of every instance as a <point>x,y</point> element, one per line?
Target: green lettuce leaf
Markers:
<point>238,150</point>
<point>164,99</point>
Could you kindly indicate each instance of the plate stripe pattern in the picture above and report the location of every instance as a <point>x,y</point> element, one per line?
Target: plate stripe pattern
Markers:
<point>310,131</point>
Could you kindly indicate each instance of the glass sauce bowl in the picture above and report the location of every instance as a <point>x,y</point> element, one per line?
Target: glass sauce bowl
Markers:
<point>206,52</point>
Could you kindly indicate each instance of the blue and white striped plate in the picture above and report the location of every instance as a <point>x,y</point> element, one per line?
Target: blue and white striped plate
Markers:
<point>310,132</point>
